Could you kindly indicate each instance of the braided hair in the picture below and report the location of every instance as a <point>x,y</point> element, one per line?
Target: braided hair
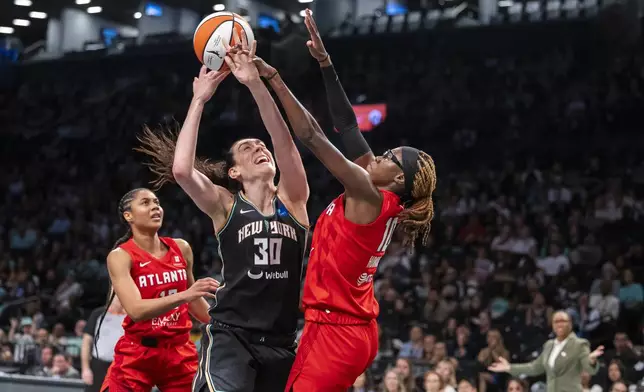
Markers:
<point>125,204</point>
<point>416,218</point>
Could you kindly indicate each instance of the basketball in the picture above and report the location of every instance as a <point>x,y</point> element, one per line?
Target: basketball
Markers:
<point>213,31</point>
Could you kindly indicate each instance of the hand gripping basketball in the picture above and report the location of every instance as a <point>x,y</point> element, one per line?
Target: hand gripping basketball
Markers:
<point>205,85</point>
<point>205,287</point>
<point>240,60</point>
<point>315,45</point>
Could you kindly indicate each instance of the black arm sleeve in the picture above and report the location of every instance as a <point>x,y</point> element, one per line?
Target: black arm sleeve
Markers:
<point>344,119</point>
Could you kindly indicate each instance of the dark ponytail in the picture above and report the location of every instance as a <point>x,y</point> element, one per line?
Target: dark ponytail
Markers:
<point>125,204</point>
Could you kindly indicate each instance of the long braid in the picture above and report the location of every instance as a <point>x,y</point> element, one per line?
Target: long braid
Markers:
<point>125,204</point>
<point>417,218</point>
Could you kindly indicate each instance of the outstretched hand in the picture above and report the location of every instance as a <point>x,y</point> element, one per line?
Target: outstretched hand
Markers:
<point>315,45</point>
<point>205,85</point>
<point>500,366</point>
<point>599,351</point>
<point>240,59</point>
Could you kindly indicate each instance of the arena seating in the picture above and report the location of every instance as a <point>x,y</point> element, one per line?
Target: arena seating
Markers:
<point>536,134</point>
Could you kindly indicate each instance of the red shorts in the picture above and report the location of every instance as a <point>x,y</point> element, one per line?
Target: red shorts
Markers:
<point>171,366</point>
<point>333,352</point>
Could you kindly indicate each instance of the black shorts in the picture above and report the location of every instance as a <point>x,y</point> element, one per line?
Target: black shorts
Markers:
<point>235,360</point>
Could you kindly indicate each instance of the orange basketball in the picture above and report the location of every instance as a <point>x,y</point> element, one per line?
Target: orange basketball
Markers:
<point>213,31</point>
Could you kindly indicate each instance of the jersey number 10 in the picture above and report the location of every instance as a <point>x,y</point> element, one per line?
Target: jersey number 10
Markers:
<point>269,251</point>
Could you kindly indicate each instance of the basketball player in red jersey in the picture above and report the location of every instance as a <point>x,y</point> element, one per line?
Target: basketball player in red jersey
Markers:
<point>382,194</point>
<point>152,277</point>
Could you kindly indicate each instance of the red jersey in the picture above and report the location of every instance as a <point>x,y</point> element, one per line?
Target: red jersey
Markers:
<point>344,257</point>
<point>157,278</point>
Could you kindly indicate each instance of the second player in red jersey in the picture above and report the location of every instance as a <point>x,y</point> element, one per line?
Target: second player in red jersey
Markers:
<point>153,278</point>
<point>382,194</point>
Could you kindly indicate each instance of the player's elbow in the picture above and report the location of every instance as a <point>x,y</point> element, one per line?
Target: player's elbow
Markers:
<point>181,171</point>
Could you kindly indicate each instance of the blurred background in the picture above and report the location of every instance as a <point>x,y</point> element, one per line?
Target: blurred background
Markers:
<point>532,111</point>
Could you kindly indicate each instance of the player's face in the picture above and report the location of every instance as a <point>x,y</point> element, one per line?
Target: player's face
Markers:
<point>387,168</point>
<point>145,211</point>
<point>252,161</point>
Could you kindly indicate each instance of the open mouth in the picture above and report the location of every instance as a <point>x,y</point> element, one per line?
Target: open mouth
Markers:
<point>262,159</point>
<point>156,216</point>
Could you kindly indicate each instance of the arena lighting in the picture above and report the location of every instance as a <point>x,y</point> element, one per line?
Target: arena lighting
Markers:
<point>219,7</point>
<point>506,3</point>
<point>81,2</point>
<point>94,10</point>
<point>37,15</point>
<point>6,30</point>
<point>137,15</point>
<point>21,22</point>
<point>304,1</point>
<point>22,3</point>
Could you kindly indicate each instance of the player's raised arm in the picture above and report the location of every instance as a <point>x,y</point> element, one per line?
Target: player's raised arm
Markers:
<point>119,264</point>
<point>199,307</point>
<point>198,186</point>
<point>355,179</point>
<point>293,182</point>
<point>344,118</point>
<point>176,161</point>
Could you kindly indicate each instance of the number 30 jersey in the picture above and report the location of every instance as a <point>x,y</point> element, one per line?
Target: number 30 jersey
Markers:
<point>344,257</point>
<point>262,268</point>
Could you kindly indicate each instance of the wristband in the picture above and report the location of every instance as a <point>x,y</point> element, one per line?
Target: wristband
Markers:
<point>324,59</point>
<point>272,76</point>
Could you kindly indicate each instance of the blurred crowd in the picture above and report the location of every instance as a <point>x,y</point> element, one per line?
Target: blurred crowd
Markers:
<point>539,204</point>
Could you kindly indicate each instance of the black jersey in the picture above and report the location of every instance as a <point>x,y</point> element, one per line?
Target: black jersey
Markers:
<point>262,260</point>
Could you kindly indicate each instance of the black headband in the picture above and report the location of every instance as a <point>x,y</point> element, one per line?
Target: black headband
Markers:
<point>410,168</point>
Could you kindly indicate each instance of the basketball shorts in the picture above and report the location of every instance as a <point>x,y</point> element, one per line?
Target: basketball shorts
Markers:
<point>331,356</point>
<point>235,360</point>
<point>170,364</point>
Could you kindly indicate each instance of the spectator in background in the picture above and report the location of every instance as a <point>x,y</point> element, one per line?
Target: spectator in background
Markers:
<point>405,370</point>
<point>363,383</point>
<point>433,382</point>
<point>615,373</point>
<point>445,369</point>
<point>466,385</point>
<point>619,386</point>
<point>538,314</point>
<point>392,382</point>
<point>623,350</point>
<point>414,347</point>
<point>462,348</point>
<point>606,311</point>
<point>43,368</point>
<point>495,349</point>
<point>555,263</point>
<point>517,385</point>
<point>631,296</point>
<point>62,367</point>
<point>439,353</point>
<point>585,384</point>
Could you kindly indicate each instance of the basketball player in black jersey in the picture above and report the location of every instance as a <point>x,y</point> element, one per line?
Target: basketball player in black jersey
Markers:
<point>262,230</point>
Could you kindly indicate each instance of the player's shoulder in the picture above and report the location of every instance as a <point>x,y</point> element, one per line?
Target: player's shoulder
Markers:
<point>391,202</point>
<point>119,255</point>
<point>183,245</point>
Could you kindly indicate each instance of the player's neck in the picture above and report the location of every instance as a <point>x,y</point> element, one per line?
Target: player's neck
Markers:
<point>261,194</point>
<point>149,242</point>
